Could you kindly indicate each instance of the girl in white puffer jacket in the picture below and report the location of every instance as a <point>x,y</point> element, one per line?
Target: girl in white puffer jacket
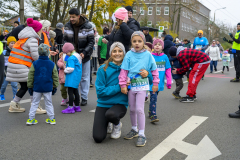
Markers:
<point>214,55</point>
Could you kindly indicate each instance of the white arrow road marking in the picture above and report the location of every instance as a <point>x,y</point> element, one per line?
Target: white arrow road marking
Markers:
<point>92,110</point>
<point>205,150</point>
<point>21,102</point>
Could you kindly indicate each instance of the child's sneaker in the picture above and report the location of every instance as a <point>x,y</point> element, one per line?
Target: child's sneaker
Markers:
<point>146,99</point>
<point>31,122</point>
<point>154,119</point>
<point>68,110</point>
<point>2,98</point>
<point>176,95</point>
<point>141,141</point>
<point>77,109</point>
<point>64,102</point>
<point>187,100</point>
<point>15,107</point>
<point>222,71</point>
<point>131,134</point>
<point>49,121</point>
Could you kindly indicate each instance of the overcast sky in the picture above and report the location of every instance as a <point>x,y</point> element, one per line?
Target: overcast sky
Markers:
<point>230,15</point>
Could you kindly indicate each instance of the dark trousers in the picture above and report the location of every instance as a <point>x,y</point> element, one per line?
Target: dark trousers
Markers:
<point>226,67</point>
<point>101,61</point>
<point>23,89</point>
<point>213,63</point>
<point>71,92</point>
<point>103,116</point>
<point>2,74</point>
<point>179,85</point>
<point>153,103</point>
<point>237,64</point>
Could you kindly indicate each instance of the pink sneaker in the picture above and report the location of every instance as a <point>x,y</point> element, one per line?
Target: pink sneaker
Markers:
<point>68,110</point>
<point>77,109</point>
<point>64,102</point>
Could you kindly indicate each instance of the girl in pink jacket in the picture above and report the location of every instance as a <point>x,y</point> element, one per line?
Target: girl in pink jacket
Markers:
<point>62,65</point>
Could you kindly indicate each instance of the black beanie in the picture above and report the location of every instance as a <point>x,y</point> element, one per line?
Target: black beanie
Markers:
<point>238,24</point>
<point>173,51</point>
<point>129,8</point>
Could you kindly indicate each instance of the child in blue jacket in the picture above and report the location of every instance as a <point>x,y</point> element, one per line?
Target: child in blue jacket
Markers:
<point>177,77</point>
<point>73,73</point>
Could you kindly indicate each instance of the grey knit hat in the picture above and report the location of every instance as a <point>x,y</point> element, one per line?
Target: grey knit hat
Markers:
<point>43,50</point>
<point>117,44</point>
<point>52,34</point>
<point>139,33</point>
<point>59,25</point>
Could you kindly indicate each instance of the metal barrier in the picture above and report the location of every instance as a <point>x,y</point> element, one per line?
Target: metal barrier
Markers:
<point>56,57</point>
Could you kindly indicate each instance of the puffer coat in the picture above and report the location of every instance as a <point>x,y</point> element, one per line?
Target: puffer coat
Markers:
<point>19,72</point>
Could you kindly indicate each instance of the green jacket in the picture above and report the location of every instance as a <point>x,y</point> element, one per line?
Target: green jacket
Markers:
<point>187,45</point>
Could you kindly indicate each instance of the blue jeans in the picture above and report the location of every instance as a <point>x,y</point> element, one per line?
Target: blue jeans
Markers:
<point>153,103</point>
<point>213,63</point>
<point>4,86</point>
<point>85,81</point>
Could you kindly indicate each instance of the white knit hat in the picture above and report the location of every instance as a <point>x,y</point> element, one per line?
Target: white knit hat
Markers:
<point>117,44</point>
<point>45,24</point>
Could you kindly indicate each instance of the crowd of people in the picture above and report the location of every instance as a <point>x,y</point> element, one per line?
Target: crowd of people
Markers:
<point>131,64</point>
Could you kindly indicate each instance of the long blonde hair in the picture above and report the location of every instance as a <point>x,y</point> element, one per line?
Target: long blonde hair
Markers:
<point>107,63</point>
<point>117,27</point>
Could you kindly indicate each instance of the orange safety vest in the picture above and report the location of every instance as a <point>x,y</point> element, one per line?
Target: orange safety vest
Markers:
<point>19,55</point>
<point>46,41</point>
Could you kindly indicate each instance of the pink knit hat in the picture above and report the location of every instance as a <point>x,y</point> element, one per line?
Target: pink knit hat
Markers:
<point>121,13</point>
<point>67,47</point>
<point>37,26</point>
<point>158,41</point>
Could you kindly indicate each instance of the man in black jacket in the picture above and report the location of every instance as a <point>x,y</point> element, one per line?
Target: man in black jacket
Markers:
<point>147,35</point>
<point>132,23</point>
<point>80,33</point>
<point>16,31</point>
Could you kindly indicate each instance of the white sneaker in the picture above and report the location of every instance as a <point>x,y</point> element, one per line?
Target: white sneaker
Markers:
<point>15,107</point>
<point>109,128</point>
<point>116,131</point>
<point>40,110</point>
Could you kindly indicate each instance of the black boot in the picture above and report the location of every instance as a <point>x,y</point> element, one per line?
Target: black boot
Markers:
<point>84,102</point>
<point>236,114</point>
<point>234,80</point>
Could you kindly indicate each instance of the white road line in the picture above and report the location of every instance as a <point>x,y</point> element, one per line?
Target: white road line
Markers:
<point>205,149</point>
<point>185,82</point>
<point>92,110</point>
<point>221,70</point>
<point>21,102</point>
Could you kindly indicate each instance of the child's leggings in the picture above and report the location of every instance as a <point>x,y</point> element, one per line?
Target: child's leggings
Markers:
<point>63,91</point>
<point>136,101</point>
<point>71,92</point>
<point>226,67</point>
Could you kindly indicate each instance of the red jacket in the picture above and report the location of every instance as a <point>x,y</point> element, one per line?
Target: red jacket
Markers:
<point>189,57</point>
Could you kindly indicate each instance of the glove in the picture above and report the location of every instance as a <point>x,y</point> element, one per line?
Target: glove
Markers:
<point>54,91</point>
<point>169,86</point>
<point>30,91</point>
<point>231,35</point>
<point>225,39</point>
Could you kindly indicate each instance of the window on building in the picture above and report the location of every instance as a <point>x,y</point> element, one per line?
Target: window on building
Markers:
<point>157,24</point>
<point>165,24</point>
<point>141,23</point>
<point>182,26</point>
<point>141,11</point>
<point>183,13</point>
<point>166,10</point>
<point>149,23</point>
<point>158,10</point>
<point>150,10</point>
<point>134,10</point>
<point>187,28</point>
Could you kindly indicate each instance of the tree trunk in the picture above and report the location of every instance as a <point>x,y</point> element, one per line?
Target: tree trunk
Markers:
<point>91,13</point>
<point>48,9</point>
<point>85,7</point>
<point>79,4</point>
<point>54,21</point>
<point>21,11</point>
<point>64,10</point>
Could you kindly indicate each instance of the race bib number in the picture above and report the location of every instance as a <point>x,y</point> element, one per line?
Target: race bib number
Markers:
<point>224,60</point>
<point>198,46</point>
<point>140,84</point>
<point>160,66</point>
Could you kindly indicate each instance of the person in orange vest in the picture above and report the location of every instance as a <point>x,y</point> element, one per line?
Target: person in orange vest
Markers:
<point>23,53</point>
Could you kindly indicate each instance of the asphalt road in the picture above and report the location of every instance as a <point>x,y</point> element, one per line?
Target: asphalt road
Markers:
<point>71,138</point>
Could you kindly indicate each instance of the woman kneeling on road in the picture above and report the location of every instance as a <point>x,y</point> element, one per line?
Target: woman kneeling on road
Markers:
<point>112,103</point>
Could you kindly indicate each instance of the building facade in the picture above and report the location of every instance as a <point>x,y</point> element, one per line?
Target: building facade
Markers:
<point>184,17</point>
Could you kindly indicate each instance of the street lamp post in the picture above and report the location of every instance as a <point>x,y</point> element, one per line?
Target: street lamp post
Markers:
<point>216,10</point>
